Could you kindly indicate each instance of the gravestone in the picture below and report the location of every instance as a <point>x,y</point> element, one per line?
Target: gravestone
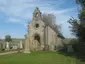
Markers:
<point>69,48</point>
<point>21,45</point>
<point>7,45</point>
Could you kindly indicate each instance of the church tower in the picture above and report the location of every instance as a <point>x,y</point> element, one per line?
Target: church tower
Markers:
<point>36,14</point>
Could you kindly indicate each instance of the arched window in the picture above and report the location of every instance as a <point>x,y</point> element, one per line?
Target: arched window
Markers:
<point>36,15</point>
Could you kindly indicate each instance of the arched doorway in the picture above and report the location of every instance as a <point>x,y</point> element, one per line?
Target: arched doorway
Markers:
<point>37,42</point>
<point>37,37</point>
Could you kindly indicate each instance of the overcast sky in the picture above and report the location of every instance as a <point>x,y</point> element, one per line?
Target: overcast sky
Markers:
<point>15,15</point>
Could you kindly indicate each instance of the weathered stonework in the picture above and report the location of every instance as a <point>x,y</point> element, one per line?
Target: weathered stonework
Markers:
<point>40,36</point>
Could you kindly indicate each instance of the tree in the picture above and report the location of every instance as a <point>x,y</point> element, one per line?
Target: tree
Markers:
<point>50,19</point>
<point>78,27</point>
<point>82,3</point>
<point>8,38</point>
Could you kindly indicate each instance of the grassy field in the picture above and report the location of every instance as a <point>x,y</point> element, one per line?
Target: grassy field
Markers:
<point>38,58</point>
<point>3,51</point>
<point>6,51</point>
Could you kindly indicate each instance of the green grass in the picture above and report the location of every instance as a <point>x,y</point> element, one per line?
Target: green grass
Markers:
<point>6,51</point>
<point>39,57</point>
<point>3,51</point>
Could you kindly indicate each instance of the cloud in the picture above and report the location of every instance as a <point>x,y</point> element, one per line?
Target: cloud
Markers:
<point>20,11</point>
<point>24,8</point>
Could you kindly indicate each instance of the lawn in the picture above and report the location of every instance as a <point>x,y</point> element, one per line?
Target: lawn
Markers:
<point>39,57</point>
<point>3,51</point>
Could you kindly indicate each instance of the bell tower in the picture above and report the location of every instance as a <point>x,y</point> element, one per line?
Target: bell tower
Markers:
<point>36,14</point>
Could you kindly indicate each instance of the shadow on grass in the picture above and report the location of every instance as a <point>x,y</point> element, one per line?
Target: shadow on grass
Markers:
<point>78,55</point>
<point>64,52</point>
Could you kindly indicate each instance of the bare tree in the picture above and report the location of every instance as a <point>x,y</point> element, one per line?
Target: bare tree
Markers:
<point>50,19</point>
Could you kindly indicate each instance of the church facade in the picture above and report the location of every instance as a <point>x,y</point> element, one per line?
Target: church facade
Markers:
<point>41,36</point>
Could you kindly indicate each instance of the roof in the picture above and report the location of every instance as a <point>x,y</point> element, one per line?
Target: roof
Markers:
<point>61,36</point>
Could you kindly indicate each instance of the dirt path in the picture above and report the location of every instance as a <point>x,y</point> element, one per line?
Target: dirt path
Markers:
<point>11,52</point>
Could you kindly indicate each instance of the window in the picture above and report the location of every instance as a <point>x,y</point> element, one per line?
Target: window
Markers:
<point>37,25</point>
<point>36,15</point>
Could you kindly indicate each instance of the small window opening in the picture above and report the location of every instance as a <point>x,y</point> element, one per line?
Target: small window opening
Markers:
<point>37,25</point>
<point>36,15</point>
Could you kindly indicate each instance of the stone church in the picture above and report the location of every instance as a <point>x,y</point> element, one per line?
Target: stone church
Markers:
<point>41,36</point>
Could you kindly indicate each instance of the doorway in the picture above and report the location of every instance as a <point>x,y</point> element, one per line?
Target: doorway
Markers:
<point>37,37</point>
<point>37,43</point>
